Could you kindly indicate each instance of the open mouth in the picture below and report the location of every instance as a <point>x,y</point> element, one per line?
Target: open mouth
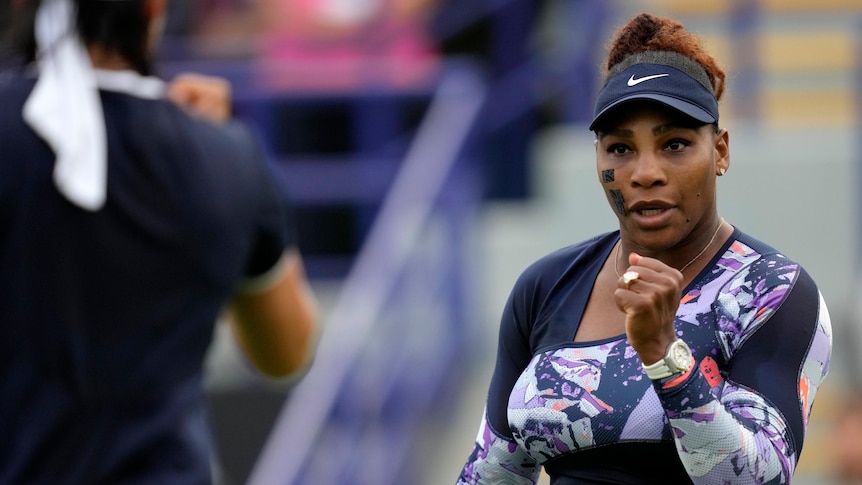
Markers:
<point>649,212</point>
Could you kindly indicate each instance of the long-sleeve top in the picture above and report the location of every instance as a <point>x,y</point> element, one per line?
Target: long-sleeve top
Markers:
<point>586,411</point>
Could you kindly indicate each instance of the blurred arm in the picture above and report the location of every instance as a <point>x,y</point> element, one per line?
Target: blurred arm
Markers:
<point>276,327</point>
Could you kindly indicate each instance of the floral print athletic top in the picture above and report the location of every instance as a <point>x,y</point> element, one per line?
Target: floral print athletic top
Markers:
<point>586,411</point>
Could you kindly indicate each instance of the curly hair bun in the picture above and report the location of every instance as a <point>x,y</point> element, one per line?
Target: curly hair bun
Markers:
<point>646,32</point>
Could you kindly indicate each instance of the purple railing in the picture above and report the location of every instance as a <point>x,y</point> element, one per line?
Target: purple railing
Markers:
<point>396,328</point>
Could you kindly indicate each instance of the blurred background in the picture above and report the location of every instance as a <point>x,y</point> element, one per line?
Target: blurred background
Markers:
<point>434,148</point>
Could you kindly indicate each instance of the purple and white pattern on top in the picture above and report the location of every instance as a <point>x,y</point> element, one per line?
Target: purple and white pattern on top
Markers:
<point>579,396</point>
<point>498,460</point>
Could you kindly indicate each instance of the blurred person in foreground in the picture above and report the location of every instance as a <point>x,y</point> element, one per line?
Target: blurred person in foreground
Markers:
<point>677,349</point>
<point>127,223</point>
<point>8,57</point>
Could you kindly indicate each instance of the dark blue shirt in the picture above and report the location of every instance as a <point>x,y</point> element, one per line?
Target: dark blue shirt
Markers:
<point>105,316</point>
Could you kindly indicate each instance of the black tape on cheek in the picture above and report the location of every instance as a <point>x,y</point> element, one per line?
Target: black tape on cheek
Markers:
<point>607,176</point>
<point>619,202</point>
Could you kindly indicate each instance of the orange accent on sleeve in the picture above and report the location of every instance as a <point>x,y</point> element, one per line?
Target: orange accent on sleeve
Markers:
<point>803,397</point>
<point>737,248</point>
<point>687,298</point>
<point>678,379</point>
<point>709,370</point>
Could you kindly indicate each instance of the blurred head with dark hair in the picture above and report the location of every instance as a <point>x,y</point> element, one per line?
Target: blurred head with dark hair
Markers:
<point>17,42</point>
<point>117,32</point>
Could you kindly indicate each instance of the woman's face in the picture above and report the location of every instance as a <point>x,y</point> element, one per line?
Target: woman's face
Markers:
<point>658,171</point>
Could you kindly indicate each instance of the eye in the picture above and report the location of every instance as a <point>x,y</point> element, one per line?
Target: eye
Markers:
<point>676,145</point>
<point>618,149</point>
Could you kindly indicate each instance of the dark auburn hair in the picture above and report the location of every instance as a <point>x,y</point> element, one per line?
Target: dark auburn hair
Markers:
<point>649,33</point>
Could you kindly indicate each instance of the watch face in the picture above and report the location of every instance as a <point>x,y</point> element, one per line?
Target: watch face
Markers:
<point>681,356</point>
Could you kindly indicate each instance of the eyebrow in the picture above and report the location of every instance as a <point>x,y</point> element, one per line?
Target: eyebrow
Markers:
<point>616,132</point>
<point>660,129</point>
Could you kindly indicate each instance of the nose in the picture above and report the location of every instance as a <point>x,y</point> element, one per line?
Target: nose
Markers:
<point>648,171</point>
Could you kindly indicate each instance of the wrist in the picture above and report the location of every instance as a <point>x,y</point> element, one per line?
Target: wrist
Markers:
<point>677,360</point>
<point>654,350</point>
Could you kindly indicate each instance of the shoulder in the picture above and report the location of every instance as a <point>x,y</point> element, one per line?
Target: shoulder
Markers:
<point>233,133</point>
<point>554,265</point>
<point>758,266</point>
<point>232,141</point>
<point>168,120</point>
<point>196,146</point>
<point>561,276</point>
<point>763,281</point>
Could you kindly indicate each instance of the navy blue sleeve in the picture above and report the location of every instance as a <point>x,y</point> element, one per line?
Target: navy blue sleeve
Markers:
<point>274,230</point>
<point>513,355</point>
<point>543,310</point>
<point>771,360</point>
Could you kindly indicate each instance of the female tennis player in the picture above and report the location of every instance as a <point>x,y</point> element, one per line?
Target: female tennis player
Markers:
<point>126,225</point>
<point>677,349</point>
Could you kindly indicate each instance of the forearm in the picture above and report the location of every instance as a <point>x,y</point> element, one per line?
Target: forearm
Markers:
<point>276,328</point>
<point>727,434</point>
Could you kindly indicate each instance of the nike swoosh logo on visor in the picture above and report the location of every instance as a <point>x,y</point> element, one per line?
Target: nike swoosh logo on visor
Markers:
<point>634,82</point>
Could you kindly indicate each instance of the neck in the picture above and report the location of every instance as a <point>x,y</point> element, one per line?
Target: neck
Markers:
<point>692,259</point>
<point>108,60</point>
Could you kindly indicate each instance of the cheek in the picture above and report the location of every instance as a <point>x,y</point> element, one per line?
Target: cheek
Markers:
<point>616,198</point>
<point>703,180</point>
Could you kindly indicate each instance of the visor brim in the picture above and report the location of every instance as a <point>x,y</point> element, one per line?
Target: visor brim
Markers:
<point>689,109</point>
